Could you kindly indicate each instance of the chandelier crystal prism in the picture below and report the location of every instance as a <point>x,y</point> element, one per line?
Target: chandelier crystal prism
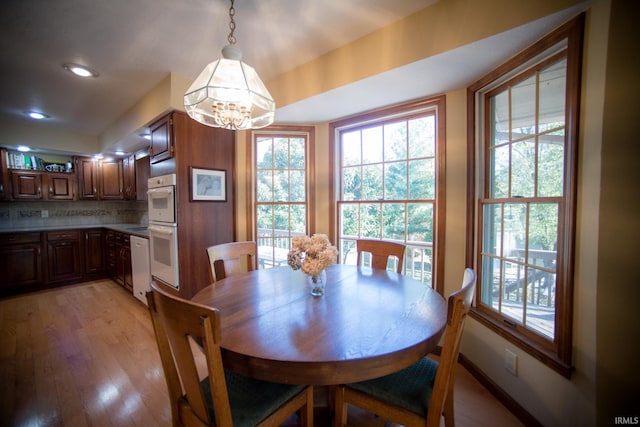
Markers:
<point>229,93</point>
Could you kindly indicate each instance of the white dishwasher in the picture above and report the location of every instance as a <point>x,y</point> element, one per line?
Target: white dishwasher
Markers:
<point>140,269</point>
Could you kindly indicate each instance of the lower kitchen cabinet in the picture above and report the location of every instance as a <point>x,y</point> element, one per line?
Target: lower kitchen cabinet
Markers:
<point>94,250</point>
<point>118,256</point>
<point>64,256</point>
<point>20,262</point>
<point>31,261</point>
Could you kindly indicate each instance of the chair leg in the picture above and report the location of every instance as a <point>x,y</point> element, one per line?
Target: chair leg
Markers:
<point>449,420</point>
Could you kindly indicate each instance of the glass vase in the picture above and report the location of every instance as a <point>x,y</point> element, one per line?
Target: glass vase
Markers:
<point>317,283</point>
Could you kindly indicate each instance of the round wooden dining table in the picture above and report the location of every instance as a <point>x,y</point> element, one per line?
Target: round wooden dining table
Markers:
<point>368,323</point>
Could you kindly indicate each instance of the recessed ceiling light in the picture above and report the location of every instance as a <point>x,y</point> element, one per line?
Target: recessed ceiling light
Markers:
<point>23,148</point>
<point>79,70</point>
<point>36,115</point>
<point>119,153</point>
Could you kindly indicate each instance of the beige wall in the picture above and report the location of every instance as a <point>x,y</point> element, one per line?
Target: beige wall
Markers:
<point>618,291</point>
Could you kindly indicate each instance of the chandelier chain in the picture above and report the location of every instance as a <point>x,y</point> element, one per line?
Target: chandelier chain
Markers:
<point>232,24</point>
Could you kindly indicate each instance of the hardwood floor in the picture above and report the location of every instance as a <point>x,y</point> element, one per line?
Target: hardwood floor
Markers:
<point>85,355</point>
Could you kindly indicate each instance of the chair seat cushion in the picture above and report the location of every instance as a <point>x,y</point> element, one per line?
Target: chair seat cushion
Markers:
<point>409,388</point>
<point>251,400</point>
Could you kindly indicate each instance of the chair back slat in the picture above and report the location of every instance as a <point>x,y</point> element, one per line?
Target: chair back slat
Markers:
<point>230,259</point>
<point>380,251</point>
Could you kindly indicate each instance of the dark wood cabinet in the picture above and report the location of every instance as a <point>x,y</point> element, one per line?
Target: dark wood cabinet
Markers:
<point>26,185</point>
<point>111,179</point>
<point>94,250</point>
<point>110,253</point>
<point>38,185</point>
<point>100,180</point>
<point>59,186</point>
<point>87,170</point>
<point>129,177</point>
<point>162,139</point>
<point>118,258</point>
<point>20,262</point>
<point>143,172</point>
<point>64,259</point>
<point>197,145</point>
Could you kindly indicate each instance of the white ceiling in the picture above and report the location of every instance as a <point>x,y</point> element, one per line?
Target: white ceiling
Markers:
<point>134,44</point>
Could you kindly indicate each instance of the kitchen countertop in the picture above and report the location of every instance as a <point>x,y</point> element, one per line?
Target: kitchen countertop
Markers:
<point>134,229</point>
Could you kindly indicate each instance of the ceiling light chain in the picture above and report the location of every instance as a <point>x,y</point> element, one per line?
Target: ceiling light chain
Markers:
<point>232,23</point>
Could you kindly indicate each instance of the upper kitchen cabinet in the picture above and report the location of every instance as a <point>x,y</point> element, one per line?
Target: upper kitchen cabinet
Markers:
<point>111,180</point>
<point>142,174</point>
<point>87,169</point>
<point>100,180</point>
<point>162,139</point>
<point>36,185</point>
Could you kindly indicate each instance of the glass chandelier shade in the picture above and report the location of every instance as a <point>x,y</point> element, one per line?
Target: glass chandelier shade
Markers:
<point>229,93</point>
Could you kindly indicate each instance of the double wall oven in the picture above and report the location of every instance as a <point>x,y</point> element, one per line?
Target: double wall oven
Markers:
<point>163,230</point>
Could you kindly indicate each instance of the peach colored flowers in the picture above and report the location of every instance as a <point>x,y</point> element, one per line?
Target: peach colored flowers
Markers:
<point>312,254</point>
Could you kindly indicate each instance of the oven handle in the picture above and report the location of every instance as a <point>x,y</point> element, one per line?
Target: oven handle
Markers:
<point>161,230</point>
<point>159,192</point>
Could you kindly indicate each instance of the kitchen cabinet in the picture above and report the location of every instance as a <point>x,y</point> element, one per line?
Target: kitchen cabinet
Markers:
<point>99,180</point>
<point>162,139</point>
<point>110,253</point>
<point>64,260</point>
<point>87,170</point>
<point>94,253</point>
<point>20,262</point>
<point>129,177</point>
<point>111,179</point>
<point>196,145</point>
<point>118,258</point>
<point>143,172</point>
<point>37,185</point>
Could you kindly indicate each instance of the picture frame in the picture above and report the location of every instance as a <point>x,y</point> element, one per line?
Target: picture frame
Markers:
<point>208,185</point>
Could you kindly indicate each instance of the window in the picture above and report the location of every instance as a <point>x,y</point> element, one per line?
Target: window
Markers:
<point>390,183</point>
<point>282,164</point>
<point>525,193</point>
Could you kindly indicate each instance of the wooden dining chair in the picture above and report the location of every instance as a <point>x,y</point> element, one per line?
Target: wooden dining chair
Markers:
<point>223,398</point>
<point>380,251</point>
<point>229,259</point>
<point>420,394</point>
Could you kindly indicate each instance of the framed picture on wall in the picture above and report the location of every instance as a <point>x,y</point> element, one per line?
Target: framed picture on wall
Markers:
<point>208,185</point>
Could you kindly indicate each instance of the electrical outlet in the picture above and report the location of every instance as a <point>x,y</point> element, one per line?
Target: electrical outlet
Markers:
<point>511,362</point>
<point>44,213</point>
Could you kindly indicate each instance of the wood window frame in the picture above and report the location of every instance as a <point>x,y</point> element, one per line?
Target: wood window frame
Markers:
<point>557,354</point>
<point>405,109</point>
<point>288,131</point>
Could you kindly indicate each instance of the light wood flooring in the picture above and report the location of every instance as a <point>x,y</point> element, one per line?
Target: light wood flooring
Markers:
<point>85,355</point>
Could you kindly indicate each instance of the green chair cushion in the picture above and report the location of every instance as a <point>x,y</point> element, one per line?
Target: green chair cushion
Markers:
<point>409,388</point>
<point>251,400</point>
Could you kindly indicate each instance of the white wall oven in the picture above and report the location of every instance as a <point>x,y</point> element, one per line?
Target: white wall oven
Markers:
<point>163,229</point>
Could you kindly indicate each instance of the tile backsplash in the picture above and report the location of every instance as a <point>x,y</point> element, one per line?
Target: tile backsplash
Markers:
<point>15,215</point>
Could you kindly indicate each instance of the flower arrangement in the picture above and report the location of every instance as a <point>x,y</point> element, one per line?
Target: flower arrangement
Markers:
<point>312,254</point>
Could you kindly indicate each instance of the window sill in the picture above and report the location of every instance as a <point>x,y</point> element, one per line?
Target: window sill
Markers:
<point>513,336</point>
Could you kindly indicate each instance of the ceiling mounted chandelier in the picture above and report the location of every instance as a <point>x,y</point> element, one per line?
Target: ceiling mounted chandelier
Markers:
<point>229,93</point>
